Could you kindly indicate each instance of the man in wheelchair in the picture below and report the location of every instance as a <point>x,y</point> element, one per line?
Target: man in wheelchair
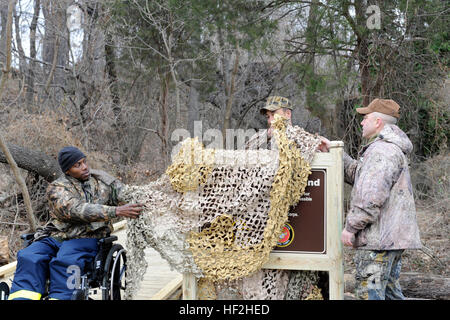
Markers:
<point>82,204</point>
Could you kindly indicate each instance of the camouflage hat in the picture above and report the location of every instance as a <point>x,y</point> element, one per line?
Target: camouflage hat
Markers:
<point>386,106</point>
<point>274,103</point>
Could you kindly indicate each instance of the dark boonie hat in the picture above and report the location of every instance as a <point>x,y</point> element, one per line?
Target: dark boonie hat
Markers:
<point>274,103</point>
<point>386,106</point>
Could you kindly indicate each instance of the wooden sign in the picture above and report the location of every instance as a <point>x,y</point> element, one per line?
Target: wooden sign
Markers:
<point>305,232</point>
<point>319,224</point>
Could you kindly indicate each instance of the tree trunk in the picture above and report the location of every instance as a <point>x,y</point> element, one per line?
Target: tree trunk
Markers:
<point>34,161</point>
<point>230,96</point>
<point>164,116</point>
<point>8,39</point>
<point>53,67</point>
<point>3,18</point>
<point>311,39</point>
<point>120,125</point>
<point>363,51</point>
<point>168,46</point>
<point>112,75</point>
<point>193,107</point>
<point>22,62</point>
<point>362,44</point>
<point>20,181</point>
<point>32,65</point>
<point>55,49</point>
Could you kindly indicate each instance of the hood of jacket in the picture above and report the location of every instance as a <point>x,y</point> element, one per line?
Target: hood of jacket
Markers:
<point>393,134</point>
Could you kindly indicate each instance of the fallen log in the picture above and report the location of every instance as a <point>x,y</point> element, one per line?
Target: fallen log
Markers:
<point>34,161</point>
<point>415,285</point>
<point>427,286</point>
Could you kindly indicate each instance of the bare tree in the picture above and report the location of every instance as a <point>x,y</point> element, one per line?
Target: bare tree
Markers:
<point>31,74</point>
<point>5,73</point>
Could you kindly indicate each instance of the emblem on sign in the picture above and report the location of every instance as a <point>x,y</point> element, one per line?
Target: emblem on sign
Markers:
<point>286,236</point>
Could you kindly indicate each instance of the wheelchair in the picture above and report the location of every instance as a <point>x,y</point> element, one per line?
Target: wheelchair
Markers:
<point>105,273</point>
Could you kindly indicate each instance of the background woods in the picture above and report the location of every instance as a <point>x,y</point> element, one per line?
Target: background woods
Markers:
<point>116,78</point>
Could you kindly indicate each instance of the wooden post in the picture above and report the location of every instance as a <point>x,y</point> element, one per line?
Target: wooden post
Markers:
<point>189,287</point>
<point>335,223</point>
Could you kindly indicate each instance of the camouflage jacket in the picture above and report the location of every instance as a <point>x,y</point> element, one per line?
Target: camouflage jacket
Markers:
<point>382,211</point>
<point>81,210</point>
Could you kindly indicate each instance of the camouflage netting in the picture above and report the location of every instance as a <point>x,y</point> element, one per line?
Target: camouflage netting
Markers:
<point>218,213</point>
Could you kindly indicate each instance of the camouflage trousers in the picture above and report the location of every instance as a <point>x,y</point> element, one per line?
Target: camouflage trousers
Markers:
<point>377,275</point>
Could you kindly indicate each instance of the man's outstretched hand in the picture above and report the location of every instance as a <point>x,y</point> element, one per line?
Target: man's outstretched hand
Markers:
<point>324,145</point>
<point>130,210</point>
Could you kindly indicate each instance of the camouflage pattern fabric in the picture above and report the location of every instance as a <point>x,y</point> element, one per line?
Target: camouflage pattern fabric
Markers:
<point>377,275</point>
<point>81,210</point>
<point>382,212</point>
<point>303,285</point>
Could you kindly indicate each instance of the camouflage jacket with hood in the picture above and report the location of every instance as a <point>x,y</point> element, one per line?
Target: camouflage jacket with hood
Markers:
<point>81,210</point>
<point>382,211</point>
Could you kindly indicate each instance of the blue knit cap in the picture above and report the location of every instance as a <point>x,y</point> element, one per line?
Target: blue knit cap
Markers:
<point>68,156</point>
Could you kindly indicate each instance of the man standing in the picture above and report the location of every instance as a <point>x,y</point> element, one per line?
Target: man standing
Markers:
<point>283,107</point>
<point>82,203</point>
<point>291,285</point>
<point>381,222</point>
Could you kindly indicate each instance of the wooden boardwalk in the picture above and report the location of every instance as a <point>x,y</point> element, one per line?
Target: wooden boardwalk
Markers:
<point>158,273</point>
<point>159,281</point>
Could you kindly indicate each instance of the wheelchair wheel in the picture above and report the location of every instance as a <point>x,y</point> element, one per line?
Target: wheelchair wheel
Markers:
<point>113,281</point>
<point>4,291</point>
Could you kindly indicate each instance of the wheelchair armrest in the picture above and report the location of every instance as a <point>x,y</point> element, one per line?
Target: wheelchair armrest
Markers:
<point>104,245</point>
<point>107,240</point>
<point>27,236</point>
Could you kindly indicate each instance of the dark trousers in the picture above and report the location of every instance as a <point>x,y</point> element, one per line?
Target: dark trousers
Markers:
<point>60,262</point>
